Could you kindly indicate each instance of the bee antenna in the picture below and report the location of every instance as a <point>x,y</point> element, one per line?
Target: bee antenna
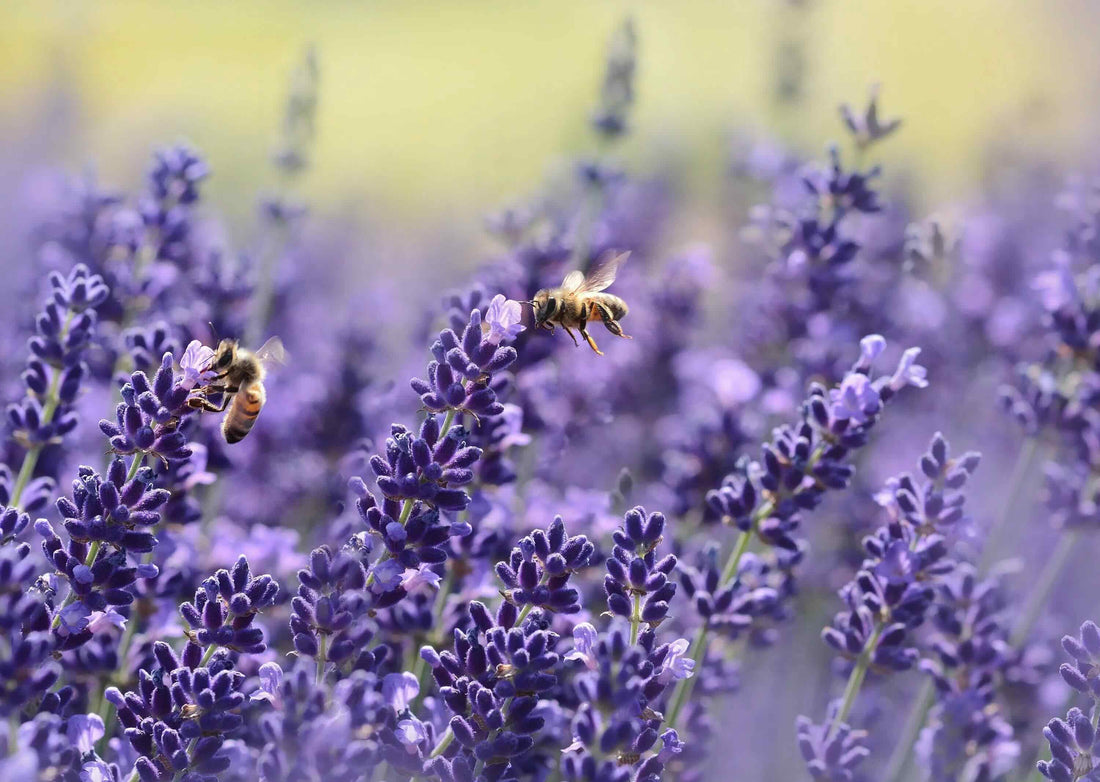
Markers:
<point>213,331</point>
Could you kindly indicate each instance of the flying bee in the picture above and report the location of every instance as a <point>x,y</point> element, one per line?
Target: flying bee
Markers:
<point>239,378</point>
<point>579,300</point>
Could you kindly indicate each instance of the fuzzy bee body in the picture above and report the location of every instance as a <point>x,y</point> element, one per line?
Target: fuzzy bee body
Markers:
<point>243,411</point>
<point>239,378</point>
<point>580,300</point>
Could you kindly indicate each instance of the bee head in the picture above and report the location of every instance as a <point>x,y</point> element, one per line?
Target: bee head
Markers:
<point>544,306</point>
<point>225,355</point>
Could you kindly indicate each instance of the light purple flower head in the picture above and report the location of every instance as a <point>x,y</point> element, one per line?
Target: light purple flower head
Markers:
<point>104,621</point>
<point>676,664</point>
<point>96,771</point>
<point>399,689</point>
<point>584,645</point>
<point>271,678</point>
<point>671,746</point>
<point>193,365</point>
<point>387,576</point>
<point>909,372</point>
<point>420,578</point>
<point>870,348</point>
<point>502,320</point>
<point>84,730</point>
<point>75,616</point>
<point>410,733</point>
<point>856,399</point>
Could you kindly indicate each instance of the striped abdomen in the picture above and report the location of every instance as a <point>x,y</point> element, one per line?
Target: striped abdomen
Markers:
<point>242,412</point>
<point>605,307</point>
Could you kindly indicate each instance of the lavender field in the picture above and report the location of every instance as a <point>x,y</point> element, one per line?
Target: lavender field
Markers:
<point>786,471</point>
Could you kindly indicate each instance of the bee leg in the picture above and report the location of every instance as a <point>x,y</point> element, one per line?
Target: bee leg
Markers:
<point>591,342</point>
<point>201,403</point>
<point>611,324</point>
<point>572,335</point>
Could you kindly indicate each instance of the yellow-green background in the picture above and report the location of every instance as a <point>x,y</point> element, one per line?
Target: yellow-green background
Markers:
<point>439,110</point>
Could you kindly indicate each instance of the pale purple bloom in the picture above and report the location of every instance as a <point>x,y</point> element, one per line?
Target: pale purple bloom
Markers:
<point>387,576</point>
<point>410,733</point>
<point>502,320</point>
<point>419,578</point>
<point>84,730</point>
<point>677,665</point>
<point>103,621</point>
<point>271,678</point>
<point>855,399</point>
<point>584,645</point>
<point>193,365</point>
<point>671,746</point>
<point>74,617</point>
<point>399,690</point>
<point>909,372</point>
<point>870,348</point>
<point>95,771</point>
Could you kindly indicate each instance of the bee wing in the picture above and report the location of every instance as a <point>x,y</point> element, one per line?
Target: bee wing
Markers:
<point>605,272</point>
<point>573,281</point>
<point>272,352</point>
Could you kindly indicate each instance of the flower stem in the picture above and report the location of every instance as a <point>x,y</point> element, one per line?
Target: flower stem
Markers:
<point>855,679</point>
<point>444,742</point>
<point>135,465</point>
<point>685,686</point>
<point>698,650</point>
<point>635,619</point>
<point>321,658</point>
<point>1048,578</point>
<point>448,421</point>
<point>49,410</point>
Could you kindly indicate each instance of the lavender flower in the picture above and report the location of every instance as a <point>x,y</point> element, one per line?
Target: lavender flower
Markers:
<point>225,607</point>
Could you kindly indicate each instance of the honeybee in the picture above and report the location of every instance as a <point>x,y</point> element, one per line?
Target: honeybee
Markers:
<point>239,378</point>
<point>579,300</point>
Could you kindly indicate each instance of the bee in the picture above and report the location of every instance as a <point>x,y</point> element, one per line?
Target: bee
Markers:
<point>579,300</point>
<point>239,378</point>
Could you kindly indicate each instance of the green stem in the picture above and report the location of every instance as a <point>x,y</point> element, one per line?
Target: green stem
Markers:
<point>685,686</point>
<point>135,465</point>
<point>321,658</point>
<point>444,742</point>
<point>903,754</point>
<point>448,421</point>
<point>855,680</point>
<point>742,545</point>
<point>1002,527</point>
<point>1037,599</point>
<point>698,650</point>
<point>419,666</point>
<point>635,619</point>
<point>49,410</point>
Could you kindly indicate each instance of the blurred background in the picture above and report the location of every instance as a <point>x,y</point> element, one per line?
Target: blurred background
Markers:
<point>432,113</point>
